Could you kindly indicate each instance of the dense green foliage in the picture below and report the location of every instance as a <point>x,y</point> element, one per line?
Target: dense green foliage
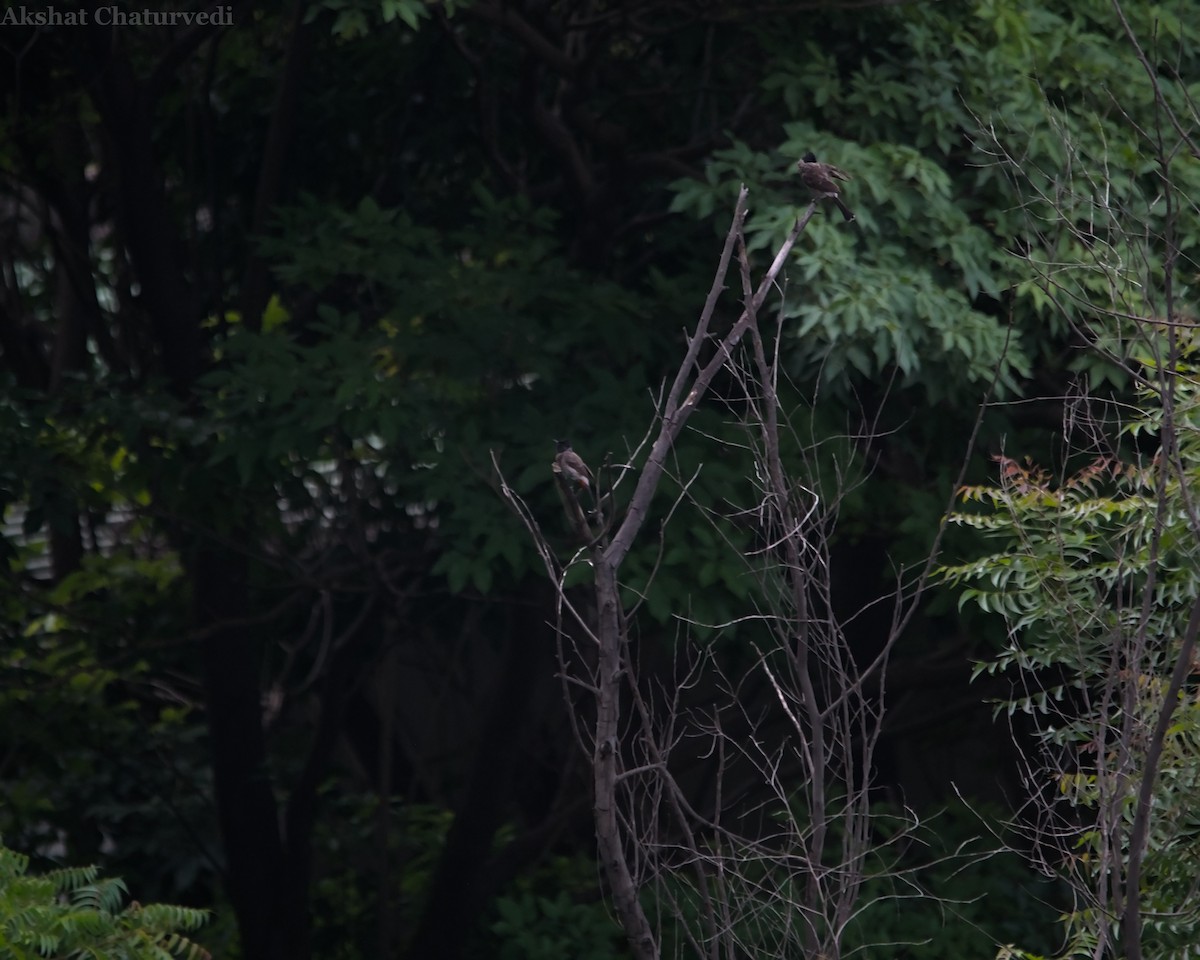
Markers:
<point>279,300</point>
<point>1096,578</point>
<point>73,913</point>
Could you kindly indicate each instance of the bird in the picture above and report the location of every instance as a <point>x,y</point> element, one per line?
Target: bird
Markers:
<point>571,465</point>
<point>821,179</point>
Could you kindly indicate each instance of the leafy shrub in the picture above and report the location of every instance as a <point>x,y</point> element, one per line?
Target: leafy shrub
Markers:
<point>71,912</point>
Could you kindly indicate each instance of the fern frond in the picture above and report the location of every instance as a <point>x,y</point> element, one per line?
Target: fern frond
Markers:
<point>71,912</point>
<point>180,946</point>
<point>167,917</point>
<point>105,895</point>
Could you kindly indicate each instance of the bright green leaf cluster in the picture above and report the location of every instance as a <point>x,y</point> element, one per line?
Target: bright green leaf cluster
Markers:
<point>1096,577</point>
<point>71,912</point>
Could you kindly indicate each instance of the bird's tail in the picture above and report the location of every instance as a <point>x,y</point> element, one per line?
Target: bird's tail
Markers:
<point>846,211</point>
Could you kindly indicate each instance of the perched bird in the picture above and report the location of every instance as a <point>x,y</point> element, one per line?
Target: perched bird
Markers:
<point>821,179</point>
<point>571,465</point>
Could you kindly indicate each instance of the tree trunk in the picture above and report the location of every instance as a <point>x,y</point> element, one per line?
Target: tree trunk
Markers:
<point>272,915</point>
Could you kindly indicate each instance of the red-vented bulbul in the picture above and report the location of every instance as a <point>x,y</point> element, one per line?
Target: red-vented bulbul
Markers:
<point>821,179</point>
<point>571,465</point>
